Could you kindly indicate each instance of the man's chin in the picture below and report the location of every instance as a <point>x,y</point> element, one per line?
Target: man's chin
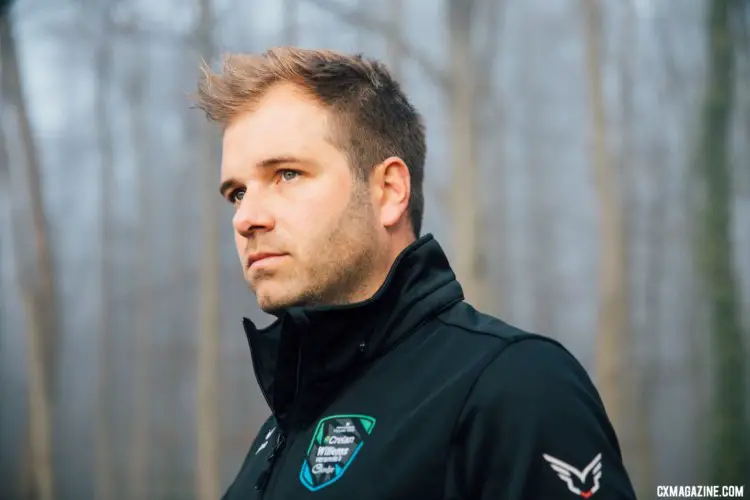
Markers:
<point>273,309</point>
<point>274,302</point>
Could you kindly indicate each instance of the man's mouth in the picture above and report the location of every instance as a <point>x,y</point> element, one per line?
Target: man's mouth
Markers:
<point>262,258</point>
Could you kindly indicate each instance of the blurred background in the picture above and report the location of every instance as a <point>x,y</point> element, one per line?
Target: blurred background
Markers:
<point>588,175</point>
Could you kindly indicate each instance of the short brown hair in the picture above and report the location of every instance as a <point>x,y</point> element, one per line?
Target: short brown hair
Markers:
<point>372,118</point>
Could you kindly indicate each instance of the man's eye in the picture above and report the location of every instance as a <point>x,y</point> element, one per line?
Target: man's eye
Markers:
<point>236,196</point>
<point>288,175</point>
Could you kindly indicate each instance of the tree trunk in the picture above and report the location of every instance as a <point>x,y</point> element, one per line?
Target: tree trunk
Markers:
<point>104,481</point>
<point>494,218</point>
<point>649,356</point>
<point>541,263</point>
<point>646,346</point>
<point>362,34</point>
<point>394,54</point>
<point>208,479</point>
<point>140,458</point>
<point>45,279</point>
<point>465,192</point>
<point>731,459</point>
<point>612,324</point>
<point>36,280</point>
<point>291,22</point>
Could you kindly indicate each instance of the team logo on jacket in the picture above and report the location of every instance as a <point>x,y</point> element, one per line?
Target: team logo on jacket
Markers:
<point>334,446</point>
<point>574,477</point>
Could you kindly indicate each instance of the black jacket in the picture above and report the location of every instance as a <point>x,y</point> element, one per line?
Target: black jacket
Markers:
<point>414,394</point>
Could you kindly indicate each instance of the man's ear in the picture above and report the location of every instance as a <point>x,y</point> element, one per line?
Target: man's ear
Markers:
<point>391,185</point>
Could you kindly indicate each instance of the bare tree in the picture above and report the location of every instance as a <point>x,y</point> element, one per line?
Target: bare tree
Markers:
<point>291,22</point>
<point>44,262</point>
<point>362,34</point>
<point>208,479</point>
<point>612,324</point>
<point>140,457</point>
<point>36,280</point>
<point>665,206</point>
<point>464,158</point>
<point>394,54</point>
<point>104,486</point>
<point>731,457</point>
<point>362,20</point>
<point>542,217</point>
<point>438,76</point>
<point>642,388</point>
<point>647,353</point>
<point>492,136</point>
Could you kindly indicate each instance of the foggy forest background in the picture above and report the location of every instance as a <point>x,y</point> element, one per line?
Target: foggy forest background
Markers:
<point>588,175</point>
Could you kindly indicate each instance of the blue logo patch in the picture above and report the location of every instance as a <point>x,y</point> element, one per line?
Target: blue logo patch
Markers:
<point>334,446</point>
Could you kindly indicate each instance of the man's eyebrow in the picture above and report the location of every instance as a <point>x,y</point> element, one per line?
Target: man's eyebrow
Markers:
<point>268,162</point>
<point>224,187</point>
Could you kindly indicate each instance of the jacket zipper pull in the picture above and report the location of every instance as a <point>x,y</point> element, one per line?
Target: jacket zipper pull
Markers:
<point>262,482</point>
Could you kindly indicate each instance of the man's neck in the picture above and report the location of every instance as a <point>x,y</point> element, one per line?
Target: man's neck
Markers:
<point>397,244</point>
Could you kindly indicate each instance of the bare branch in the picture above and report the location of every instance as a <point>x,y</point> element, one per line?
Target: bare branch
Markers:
<point>358,19</point>
<point>438,75</point>
<point>137,33</point>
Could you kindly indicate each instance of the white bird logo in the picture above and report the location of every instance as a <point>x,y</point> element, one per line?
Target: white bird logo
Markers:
<point>566,472</point>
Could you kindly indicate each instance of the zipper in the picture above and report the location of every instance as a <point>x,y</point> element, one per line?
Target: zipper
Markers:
<point>281,441</point>
<point>281,438</point>
<point>273,457</point>
<point>254,359</point>
<point>278,447</point>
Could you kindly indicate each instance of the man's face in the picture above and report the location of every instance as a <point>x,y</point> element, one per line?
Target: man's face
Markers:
<point>305,228</point>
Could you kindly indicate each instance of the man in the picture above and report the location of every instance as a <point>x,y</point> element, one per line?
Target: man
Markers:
<point>383,382</point>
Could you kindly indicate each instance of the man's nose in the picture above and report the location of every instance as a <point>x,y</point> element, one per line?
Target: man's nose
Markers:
<point>252,216</point>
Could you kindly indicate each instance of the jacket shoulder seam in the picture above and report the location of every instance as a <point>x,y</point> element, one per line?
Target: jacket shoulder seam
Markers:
<point>523,336</point>
<point>492,358</point>
<point>513,337</point>
<point>478,377</point>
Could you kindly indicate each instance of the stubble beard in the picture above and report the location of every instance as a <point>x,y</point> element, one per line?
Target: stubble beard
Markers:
<point>342,261</point>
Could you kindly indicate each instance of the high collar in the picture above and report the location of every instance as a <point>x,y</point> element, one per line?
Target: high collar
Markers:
<point>309,354</point>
